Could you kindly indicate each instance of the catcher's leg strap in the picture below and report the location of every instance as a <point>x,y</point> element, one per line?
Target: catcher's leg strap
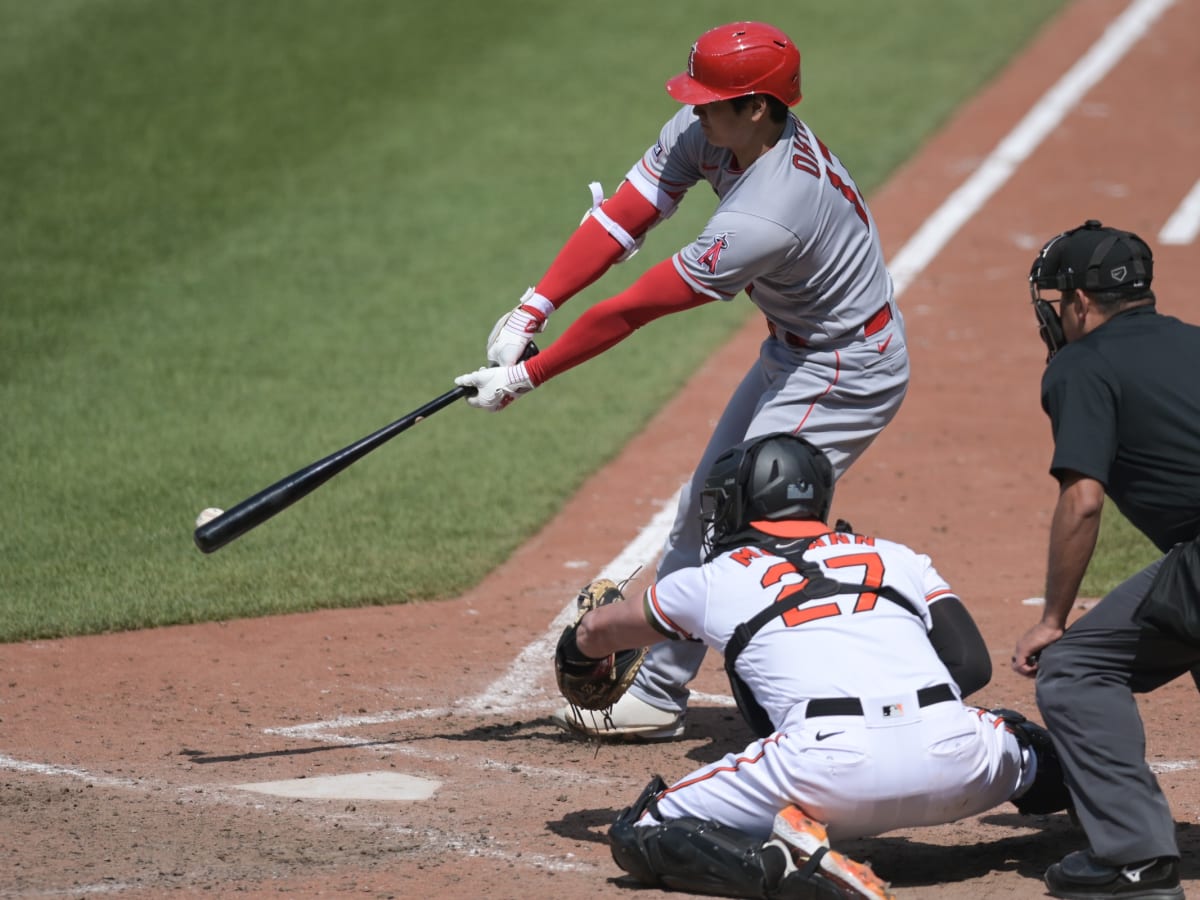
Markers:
<point>704,857</point>
<point>1048,793</point>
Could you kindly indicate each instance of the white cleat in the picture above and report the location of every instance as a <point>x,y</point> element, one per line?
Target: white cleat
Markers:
<point>630,719</point>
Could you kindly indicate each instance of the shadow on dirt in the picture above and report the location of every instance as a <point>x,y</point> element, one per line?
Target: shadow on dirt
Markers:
<point>203,757</point>
<point>589,825</point>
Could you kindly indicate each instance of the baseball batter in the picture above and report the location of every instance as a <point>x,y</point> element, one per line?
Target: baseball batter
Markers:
<point>792,230</point>
<point>851,668</point>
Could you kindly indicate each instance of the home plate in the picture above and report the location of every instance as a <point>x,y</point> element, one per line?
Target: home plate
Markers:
<point>361,786</point>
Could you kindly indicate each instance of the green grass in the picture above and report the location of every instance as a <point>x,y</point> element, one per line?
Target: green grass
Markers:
<point>1121,550</point>
<point>238,234</point>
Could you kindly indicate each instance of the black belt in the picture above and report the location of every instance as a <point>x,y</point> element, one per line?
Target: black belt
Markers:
<point>852,706</point>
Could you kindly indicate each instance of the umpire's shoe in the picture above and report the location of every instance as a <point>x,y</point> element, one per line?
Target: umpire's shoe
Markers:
<point>1079,876</point>
<point>630,719</point>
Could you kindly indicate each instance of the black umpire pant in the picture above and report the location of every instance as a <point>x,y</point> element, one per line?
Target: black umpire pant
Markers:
<point>1085,687</point>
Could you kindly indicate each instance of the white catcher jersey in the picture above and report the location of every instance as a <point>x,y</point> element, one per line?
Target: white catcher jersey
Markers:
<point>791,229</point>
<point>851,645</point>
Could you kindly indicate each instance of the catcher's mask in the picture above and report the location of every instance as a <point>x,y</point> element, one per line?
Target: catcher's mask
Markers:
<point>1093,258</point>
<point>772,477</point>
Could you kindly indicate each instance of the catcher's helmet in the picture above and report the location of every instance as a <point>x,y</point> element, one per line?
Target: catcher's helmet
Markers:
<point>736,60</point>
<point>768,478</point>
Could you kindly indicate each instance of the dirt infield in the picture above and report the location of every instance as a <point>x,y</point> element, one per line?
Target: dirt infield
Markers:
<point>125,759</point>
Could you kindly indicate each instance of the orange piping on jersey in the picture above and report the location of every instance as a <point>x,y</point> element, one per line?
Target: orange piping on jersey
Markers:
<point>721,770</point>
<point>837,374</point>
<point>652,597</point>
<point>938,595</point>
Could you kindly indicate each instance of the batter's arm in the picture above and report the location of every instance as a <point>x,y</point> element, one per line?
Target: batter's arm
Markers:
<point>659,292</point>
<point>593,249</point>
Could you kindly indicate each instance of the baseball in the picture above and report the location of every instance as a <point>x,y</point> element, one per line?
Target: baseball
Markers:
<point>208,515</point>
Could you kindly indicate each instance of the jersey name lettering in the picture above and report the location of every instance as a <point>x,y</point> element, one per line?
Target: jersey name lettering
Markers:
<point>805,159</point>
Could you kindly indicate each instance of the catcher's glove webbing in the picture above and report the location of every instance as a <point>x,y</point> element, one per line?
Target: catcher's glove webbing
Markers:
<point>586,682</point>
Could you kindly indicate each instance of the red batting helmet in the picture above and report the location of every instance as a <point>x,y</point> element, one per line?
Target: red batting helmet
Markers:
<point>736,60</point>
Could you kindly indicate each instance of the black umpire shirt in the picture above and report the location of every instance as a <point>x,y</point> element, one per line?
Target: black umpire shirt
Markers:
<point>1124,407</point>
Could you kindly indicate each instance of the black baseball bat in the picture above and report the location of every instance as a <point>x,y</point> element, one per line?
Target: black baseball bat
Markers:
<point>253,511</point>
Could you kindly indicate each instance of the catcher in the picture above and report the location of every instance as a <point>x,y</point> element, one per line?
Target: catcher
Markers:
<point>848,656</point>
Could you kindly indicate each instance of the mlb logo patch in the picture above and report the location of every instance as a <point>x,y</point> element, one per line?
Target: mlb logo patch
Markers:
<point>893,710</point>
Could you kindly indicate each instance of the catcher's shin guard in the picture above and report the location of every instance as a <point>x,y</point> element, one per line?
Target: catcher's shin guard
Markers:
<point>704,857</point>
<point>622,836</point>
<point>1048,793</point>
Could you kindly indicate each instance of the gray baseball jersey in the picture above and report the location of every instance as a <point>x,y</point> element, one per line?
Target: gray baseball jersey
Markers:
<point>791,229</point>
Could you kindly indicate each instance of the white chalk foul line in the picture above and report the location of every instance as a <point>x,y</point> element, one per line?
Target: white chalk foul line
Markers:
<point>36,768</point>
<point>1014,149</point>
<point>1184,224</point>
<point>513,689</point>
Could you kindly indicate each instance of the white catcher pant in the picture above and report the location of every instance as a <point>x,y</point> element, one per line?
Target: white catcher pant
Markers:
<point>866,775</point>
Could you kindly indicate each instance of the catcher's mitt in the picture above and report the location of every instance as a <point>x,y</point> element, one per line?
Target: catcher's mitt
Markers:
<point>586,682</point>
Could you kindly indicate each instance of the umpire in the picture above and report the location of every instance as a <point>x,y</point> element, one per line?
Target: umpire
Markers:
<point>1120,388</point>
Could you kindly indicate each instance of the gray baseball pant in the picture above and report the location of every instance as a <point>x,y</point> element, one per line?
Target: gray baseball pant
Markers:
<point>1086,683</point>
<point>839,399</point>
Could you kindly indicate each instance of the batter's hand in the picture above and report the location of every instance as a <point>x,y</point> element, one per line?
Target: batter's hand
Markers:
<point>1030,647</point>
<point>495,387</point>
<point>514,330</point>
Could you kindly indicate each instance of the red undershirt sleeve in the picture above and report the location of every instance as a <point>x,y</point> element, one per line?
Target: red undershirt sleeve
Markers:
<point>659,292</point>
<point>591,250</point>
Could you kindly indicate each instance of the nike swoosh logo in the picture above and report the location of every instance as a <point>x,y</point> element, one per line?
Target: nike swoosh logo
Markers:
<point>884,345</point>
<point>829,734</point>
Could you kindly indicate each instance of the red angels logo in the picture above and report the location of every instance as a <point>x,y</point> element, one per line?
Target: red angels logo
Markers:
<point>710,257</point>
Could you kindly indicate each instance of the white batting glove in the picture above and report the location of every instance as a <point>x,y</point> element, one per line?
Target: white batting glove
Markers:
<point>514,330</point>
<point>495,387</point>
